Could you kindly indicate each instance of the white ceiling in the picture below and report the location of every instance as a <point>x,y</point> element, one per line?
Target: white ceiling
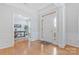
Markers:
<point>29,6</point>
<point>36,6</point>
<point>33,6</point>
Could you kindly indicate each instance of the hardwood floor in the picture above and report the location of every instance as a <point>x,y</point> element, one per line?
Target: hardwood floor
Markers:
<point>38,48</point>
<point>69,50</point>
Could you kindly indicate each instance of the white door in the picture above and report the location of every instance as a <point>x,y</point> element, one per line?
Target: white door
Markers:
<point>48,27</point>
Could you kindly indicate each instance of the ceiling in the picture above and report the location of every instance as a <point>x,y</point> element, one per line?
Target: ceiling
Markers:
<point>33,6</point>
<point>30,6</point>
<point>36,6</point>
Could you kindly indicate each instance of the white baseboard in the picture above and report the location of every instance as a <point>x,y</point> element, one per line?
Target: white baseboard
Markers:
<point>7,46</point>
<point>75,45</point>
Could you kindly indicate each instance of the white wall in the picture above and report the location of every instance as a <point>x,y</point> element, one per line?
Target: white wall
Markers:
<point>68,25</point>
<point>6,27</point>
<point>72,32</point>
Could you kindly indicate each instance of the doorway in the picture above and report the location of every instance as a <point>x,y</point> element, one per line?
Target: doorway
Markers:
<point>21,27</point>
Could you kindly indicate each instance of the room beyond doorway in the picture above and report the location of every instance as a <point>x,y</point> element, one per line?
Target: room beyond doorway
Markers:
<point>21,27</point>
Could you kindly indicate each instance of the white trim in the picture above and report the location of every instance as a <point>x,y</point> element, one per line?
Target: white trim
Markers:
<point>7,46</point>
<point>75,45</point>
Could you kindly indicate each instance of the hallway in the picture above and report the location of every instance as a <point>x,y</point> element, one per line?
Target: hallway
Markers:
<point>38,48</point>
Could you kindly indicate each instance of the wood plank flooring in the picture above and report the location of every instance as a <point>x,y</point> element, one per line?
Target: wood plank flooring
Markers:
<point>38,48</point>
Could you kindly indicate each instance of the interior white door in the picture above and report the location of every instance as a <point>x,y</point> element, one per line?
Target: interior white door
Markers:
<point>48,27</point>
